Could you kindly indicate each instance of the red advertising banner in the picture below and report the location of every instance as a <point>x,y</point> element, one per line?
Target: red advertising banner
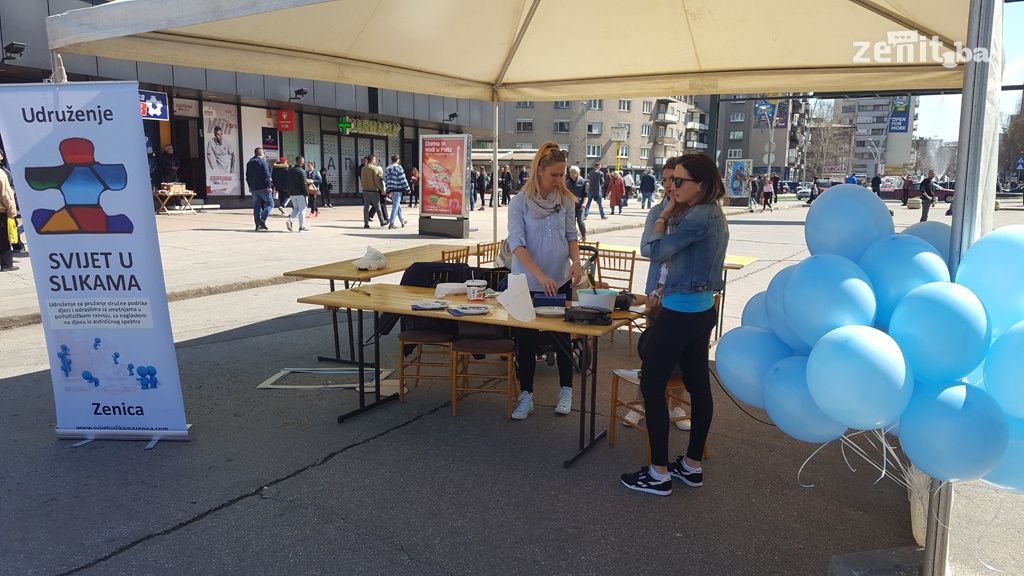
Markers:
<point>443,185</point>
<point>286,121</point>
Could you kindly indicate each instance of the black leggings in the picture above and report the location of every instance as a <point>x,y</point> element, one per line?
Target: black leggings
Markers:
<point>678,339</point>
<point>528,342</point>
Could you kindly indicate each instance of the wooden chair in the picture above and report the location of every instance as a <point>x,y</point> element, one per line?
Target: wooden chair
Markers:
<point>615,271</point>
<point>676,390</point>
<point>463,362</point>
<point>487,253</point>
<point>459,255</point>
<point>431,349</point>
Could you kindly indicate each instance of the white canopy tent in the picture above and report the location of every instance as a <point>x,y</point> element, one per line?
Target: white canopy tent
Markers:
<point>510,50</point>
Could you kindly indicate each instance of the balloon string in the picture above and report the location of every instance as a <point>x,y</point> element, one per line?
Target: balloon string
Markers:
<point>991,522</point>
<point>800,472</point>
<point>887,452</point>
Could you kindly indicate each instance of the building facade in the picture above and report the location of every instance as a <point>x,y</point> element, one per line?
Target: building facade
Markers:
<point>628,134</point>
<point>884,129</point>
<point>769,132</point>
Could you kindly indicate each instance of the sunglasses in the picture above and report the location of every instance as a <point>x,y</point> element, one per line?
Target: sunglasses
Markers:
<point>558,155</point>
<point>678,182</point>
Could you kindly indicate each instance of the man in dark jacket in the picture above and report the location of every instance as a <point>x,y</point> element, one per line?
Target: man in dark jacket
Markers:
<point>578,186</point>
<point>647,185</point>
<point>595,186</point>
<point>927,194</point>
<point>279,175</point>
<point>257,176</point>
<point>296,184</point>
<point>876,185</point>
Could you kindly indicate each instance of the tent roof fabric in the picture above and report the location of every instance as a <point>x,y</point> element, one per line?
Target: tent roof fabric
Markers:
<point>509,50</point>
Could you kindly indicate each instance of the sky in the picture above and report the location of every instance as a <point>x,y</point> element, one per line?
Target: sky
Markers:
<point>939,116</point>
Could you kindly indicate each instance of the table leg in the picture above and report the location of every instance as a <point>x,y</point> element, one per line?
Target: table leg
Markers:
<point>589,368</point>
<point>337,337</point>
<point>721,305</point>
<point>378,401</point>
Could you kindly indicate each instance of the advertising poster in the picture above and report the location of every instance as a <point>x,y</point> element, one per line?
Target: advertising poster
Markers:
<point>223,170</point>
<point>899,121</point>
<point>78,163</point>
<point>270,145</point>
<point>443,184</point>
<point>739,172</point>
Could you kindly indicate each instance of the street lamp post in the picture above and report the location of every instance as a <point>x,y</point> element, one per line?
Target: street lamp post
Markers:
<point>877,153</point>
<point>769,112</point>
<point>586,139</point>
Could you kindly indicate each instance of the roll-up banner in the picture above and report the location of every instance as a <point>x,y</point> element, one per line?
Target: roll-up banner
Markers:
<point>77,154</point>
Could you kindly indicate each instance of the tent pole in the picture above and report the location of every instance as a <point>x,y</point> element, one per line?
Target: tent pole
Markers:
<point>973,205</point>
<point>494,175</point>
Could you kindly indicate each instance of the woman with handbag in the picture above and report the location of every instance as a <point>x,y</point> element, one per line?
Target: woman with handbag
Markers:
<point>616,191</point>
<point>313,186</point>
<point>8,213</point>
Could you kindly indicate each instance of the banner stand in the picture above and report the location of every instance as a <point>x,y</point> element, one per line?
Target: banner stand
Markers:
<point>445,227</point>
<point>79,166</point>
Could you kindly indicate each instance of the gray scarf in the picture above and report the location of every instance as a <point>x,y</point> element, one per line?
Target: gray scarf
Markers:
<point>543,207</point>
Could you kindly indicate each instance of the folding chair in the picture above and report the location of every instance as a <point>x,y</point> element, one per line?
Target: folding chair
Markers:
<point>615,270</point>
<point>459,255</point>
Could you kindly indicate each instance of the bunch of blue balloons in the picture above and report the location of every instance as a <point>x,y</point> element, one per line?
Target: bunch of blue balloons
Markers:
<point>871,331</point>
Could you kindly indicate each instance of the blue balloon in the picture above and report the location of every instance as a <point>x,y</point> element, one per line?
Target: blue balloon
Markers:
<point>935,233</point>
<point>1009,473</point>
<point>954,432</point>
<point>825,292</point>
<point>858,377</point>
<point>777,317</point>
<point>898,264</point>
<point>1004,371</point>
<point>743,356</point>
<point>994,270</point>
<point>943,331</point>
<point>845,220</point>
<point>790,406</point>
<point>754,312</point>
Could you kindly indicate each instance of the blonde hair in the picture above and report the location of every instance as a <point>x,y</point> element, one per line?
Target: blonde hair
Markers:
<point>547,155</point>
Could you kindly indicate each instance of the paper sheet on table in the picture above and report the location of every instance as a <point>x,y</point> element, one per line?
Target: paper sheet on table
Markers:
<point>517,300</point>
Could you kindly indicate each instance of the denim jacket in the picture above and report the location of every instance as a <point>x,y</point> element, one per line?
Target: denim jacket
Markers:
<point>654,271</point>
<point>695,251</point>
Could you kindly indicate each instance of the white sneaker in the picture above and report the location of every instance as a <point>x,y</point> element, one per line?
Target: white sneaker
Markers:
<point>525,406</point>
<point>288,223</point>
<point>632,418</point>
<point>564,405</point>
<point>678,412</point>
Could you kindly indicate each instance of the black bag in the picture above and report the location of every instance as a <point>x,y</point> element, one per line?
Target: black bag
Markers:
<point>588,315</point>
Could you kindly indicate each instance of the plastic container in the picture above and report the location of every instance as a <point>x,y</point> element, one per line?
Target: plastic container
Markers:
<point>604,298</point>
<point>476,290</point>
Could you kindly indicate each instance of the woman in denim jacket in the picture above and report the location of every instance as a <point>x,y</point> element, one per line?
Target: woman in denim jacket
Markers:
<point>694,252</point>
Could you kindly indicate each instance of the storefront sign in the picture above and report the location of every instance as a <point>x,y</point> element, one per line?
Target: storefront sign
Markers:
<point>154,105</point>
<point>348,125</point>
<point>443,174</point>
<point>285,121</point>
<point>187,108</point>
<point>83,184</point>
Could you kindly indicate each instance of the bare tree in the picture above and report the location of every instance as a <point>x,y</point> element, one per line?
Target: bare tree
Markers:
<point>831,145</point>
<point>1011,142</point>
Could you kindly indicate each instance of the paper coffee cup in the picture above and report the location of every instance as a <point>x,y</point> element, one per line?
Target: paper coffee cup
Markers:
<point>476,290</point>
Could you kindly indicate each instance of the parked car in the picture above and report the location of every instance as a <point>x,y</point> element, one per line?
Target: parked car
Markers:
<point>944,194</point>
<point>803,190</point>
